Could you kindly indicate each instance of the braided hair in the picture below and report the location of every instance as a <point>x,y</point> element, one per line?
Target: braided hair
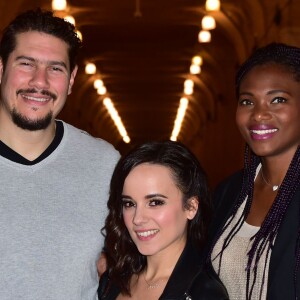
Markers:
<point>263,240</point>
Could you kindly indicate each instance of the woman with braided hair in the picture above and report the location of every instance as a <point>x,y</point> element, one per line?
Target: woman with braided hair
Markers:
<point>256,226</point>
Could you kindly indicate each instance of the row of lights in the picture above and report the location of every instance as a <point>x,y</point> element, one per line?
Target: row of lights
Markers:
<point>62,7</point>
<point>90,68</point>
<point>208,23</point>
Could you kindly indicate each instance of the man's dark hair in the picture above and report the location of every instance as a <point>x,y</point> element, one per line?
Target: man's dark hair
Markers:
<point>41,21</point>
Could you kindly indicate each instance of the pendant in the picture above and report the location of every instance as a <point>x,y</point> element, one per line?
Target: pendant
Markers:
<point>275,187</point>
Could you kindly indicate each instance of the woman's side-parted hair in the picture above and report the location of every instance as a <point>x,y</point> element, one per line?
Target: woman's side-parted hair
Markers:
<point>287,57</point>
<point>123,257</point>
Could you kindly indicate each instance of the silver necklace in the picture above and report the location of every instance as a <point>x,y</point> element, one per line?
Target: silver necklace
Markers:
<point>152,285</point>
<point>274,187</point>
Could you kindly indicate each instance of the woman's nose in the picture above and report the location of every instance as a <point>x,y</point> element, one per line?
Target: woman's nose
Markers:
<point>261,112</point>
<point>140,216</point>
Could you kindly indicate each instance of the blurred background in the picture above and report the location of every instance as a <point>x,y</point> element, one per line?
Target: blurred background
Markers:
<point>164,69</point>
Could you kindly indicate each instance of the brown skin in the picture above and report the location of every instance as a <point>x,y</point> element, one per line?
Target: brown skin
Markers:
<point>269,99</point>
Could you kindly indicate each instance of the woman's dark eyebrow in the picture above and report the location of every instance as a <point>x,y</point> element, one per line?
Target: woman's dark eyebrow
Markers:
<point>155,195</point>
<point>126,197</point>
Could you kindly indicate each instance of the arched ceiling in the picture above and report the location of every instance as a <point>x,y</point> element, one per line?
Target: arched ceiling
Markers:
<point>143,50</point>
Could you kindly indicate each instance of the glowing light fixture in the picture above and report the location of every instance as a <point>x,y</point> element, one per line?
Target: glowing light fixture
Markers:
<point>208,23</point>
<point>101,90</point>
<point>126,139</point>
<point>188,83</point>
<point>188,90</point>
<point>70,19</point>
<point>195,69</point>
<point>116,118</point>
<point>197,60</point>
<point>179,118</point>
<point>79,34</point>
<point>59,4</point>
<point>188,87</point>
<point>98,83</point>
<point>204,36</point>
<point>212,5</point>
<point>90,68</point>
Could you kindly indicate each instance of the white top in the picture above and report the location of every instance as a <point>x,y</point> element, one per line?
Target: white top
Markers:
<point>234,260</point>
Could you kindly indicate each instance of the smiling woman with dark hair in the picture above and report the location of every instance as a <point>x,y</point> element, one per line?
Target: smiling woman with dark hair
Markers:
<point>256,248</point>
<point>156,227</point>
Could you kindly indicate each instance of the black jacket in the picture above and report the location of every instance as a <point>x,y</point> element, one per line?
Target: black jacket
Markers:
<point>187,281</point>
<point>282,262</point>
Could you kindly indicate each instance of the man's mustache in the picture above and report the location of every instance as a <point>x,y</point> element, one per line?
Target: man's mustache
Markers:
<point>33,91</point>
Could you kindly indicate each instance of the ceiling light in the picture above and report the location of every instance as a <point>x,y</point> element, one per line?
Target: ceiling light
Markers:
<point>197,60</point>
<point>101,90</point>
<point>212,5</point>
<point>126,139</point>
<point>208,23</point>
<point>59,4</point>
<point>79,34</point>
<point>188,83</point>
<point>70,19</point>
<point>98,83</point>
<point>188,90</point>
<point>179,118</point>
<point>195,69</point>
<point>116,118</point>
<point>204,36</point>
<point>90,68</point>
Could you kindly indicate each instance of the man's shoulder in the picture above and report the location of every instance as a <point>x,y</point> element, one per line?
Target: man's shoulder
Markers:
<point>88,141</point>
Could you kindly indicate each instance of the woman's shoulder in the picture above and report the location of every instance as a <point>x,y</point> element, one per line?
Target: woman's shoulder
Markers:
<point>233,179</point>
<point>207,286</point>
<point>228,189</point>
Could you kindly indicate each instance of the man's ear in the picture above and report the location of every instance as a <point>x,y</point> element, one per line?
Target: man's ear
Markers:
<point>1,69</point>
<point>72,78</point>
<point>192,207</point>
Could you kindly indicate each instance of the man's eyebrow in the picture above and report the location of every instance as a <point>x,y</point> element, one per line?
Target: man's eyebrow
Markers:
<point>50,62</point>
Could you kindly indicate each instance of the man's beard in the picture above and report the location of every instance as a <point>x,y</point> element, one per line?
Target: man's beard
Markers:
<point>31,125</point>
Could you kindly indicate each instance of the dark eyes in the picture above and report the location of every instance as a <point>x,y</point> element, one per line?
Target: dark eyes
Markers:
<point>56,69</point>
<point>245,102</point>
<point>279,100</point>
<point>127,203</point>
<point>152,203</point>
<point>156,202</point>
<point>26,64</point>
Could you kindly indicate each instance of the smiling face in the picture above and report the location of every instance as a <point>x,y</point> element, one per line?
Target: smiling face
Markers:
<point>268,112</point>
<point>153,210</point>
<point>35,81</point>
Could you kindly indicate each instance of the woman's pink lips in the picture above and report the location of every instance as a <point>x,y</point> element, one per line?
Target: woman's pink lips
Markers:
<point>262,132</point>
<point>145,237</point>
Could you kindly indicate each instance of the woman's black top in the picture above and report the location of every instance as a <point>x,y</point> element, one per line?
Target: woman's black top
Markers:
<point>188,281</point>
